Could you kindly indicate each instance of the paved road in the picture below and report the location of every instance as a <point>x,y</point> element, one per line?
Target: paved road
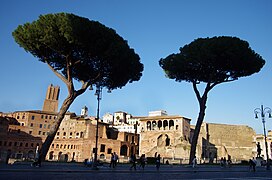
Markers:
<point>78,172</point>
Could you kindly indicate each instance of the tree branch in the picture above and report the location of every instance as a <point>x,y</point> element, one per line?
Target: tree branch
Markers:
<point>196,91</point>
<point>58,74</point>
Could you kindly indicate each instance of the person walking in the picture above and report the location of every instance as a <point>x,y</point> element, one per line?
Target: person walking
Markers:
<point>158,161</point>
<point>111,160</point>
<point>194,162</point>
<point>142,161</point>
<point>115,159</point>
<point>133,161</point>
<point>252,165</point>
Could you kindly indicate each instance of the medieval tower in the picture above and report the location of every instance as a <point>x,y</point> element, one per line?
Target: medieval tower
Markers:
<point>51,101</point>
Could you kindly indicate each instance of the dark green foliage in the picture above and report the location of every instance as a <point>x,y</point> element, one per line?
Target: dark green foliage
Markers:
<point>212,60</point>
<point>76,48</point>
<point>91,49</point>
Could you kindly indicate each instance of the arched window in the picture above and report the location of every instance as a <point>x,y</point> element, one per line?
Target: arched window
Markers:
<point>154,125</point>
<point>165,125</point>
<point>148,125</point>
<point>159,124</point>
<point>171,125</point>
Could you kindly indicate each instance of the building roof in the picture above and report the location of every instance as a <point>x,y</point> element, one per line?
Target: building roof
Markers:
<point>162,117</point>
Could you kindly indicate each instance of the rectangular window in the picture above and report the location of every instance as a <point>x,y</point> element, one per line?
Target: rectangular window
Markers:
<point>109,151</point>
<point>44,126</point>
<point>32,117</point>
<point>43,133</point>
<point>48,126</point>
<point>30,132</point>
<point>102,148</point>
<point>42,116</point>
<point>31,125</point>
<point>40,132</point>
<point>40,125</point>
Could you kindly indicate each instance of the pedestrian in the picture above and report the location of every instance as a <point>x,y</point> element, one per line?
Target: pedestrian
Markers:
<point>133,161</point>
<point>111,160</point>
<point>158,161</point>
<point>194,162</point>
<point>115,159</point>
<point>252,165</point>
<point>222,162</point>
<point>142,161</point>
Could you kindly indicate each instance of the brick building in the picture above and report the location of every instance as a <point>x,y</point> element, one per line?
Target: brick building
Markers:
<point>22,132</point>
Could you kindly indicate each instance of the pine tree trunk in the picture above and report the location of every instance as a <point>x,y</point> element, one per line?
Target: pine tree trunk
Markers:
<point>51,135</point>
<point>196,133</point>
<point>202,107</point>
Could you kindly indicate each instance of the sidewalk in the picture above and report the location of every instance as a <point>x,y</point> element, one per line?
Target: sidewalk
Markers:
<point>67,167</point>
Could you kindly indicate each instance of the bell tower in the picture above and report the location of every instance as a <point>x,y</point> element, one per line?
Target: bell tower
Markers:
<point>51,101</point>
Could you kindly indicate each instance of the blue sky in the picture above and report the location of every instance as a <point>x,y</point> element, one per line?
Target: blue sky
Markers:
<point>154,29</point>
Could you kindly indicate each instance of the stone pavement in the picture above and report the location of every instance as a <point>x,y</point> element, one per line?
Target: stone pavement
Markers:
<point>76,167</point>
<point>73,171</point>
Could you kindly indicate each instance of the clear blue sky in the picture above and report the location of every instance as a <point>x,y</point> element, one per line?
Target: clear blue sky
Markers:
<point>154,29</point>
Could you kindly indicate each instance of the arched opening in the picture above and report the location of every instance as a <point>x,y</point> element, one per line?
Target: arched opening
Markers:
<point>171,125</point>
<point>73,157</point>
<point>148,125</point>
<point>123,150</point>
<point>51,155</point>
<point>154,125</point>
<point>163,140</point>
<point>165,125</point>
<point>59,155</point>
<point>159,124</point>
<point>31,154</point>
<point>102,156</point>
<point>167,140</point>
<point>160,141</point>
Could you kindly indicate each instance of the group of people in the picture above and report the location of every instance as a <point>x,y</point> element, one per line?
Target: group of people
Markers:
<point>114,159</point>
<point>143,161</point>
<point>224,162</point>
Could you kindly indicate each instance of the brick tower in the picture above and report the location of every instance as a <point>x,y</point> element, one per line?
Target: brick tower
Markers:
<point>51,101</point>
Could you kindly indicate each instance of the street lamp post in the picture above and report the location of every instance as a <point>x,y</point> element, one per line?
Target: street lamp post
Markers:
<point>264,111</point>
<point>98,93</point>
